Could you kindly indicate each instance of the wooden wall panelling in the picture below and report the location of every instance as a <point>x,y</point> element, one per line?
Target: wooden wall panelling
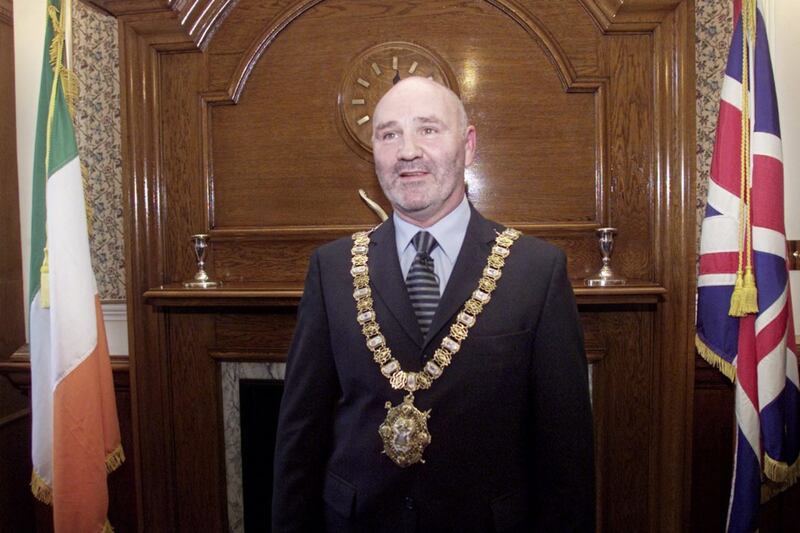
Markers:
<point>12,330</point>
<point>630,197</point>
<point>16,500</point>
<point>142,36</point>
<point>256,175</point>
<point>714,427</point>
<point>623,401</point>
<point>674,263</point>
<point>197,424</point>
<point>178,133</point>
<point>16,503</point>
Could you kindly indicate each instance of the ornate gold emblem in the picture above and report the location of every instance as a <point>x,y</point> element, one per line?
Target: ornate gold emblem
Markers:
<point>405,432</point>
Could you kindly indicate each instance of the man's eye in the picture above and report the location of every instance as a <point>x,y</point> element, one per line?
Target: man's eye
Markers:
<point>428,131</point>
<point>388,136</point>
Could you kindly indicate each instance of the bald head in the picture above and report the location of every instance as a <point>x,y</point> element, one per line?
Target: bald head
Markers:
<point>421,144</point>
<point>416,89</point>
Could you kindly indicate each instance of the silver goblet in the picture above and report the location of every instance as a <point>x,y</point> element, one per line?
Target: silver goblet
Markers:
<point>201,280</point>
<point>606,276</point>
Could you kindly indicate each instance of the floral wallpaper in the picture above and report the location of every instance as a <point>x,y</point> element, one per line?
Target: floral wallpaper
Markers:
<point>95,57</point>
<point>713,29</point>
<point>96,64</point>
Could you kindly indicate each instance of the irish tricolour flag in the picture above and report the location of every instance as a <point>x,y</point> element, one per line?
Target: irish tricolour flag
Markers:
<point>76,437</point>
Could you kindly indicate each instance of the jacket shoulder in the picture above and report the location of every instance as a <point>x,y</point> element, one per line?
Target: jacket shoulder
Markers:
<point>531,247</point>
<point>537,247</point>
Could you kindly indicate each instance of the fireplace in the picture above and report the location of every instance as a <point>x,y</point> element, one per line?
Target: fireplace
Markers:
<point>251,401</point>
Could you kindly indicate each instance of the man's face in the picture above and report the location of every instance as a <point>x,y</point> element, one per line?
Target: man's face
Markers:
<point>421,150</point>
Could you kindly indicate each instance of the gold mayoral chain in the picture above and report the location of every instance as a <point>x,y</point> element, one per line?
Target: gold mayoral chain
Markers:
<point>405,430</point>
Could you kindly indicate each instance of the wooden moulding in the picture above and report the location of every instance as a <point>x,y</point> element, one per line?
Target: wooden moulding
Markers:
<point>17,369</point>
<point>248,295</point>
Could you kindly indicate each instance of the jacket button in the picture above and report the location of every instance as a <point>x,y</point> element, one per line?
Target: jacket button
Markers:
<point>409,502</point>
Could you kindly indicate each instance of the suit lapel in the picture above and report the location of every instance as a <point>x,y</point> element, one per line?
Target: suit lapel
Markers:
<point>387,279</point>
<point>466,272</point>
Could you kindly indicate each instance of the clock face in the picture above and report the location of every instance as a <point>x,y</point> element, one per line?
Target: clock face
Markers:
<point>373,73</point>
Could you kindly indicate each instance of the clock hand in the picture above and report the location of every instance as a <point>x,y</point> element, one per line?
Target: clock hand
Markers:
<point>396,77</point>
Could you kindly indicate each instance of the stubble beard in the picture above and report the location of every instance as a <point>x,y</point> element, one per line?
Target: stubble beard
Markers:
<point>428,193</point>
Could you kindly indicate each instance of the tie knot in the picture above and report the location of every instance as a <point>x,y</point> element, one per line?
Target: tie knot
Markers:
<point>423,242</point>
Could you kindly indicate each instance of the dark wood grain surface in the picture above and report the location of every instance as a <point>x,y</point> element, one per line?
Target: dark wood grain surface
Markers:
<point>12,329</point>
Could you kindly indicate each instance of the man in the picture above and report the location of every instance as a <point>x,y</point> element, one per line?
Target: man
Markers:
<point>395,419</point>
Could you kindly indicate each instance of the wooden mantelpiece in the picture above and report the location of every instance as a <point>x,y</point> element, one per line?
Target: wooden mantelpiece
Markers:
<point>585,112</point>
<point>241,294</point>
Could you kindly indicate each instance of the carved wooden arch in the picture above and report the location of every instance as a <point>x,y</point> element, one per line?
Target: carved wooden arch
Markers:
<point>529,23</point>
<point>571,82</point>
<point>201,18</point>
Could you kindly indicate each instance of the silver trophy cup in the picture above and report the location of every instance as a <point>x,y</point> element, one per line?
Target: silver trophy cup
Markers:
<point>605,277</point>
<point>201,280</point>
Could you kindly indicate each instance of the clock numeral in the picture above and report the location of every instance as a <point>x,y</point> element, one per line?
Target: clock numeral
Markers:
<point>394,62</point>
<point>358,101</point>
<point>363,120</point>
<point>413,67</point>
<point>363,82</point>
<point>376,69</point>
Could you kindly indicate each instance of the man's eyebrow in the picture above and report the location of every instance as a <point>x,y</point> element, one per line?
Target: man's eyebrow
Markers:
<point>384,125</point>
<point>431,119</point>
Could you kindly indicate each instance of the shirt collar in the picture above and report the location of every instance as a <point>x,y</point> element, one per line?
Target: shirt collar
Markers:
<point>449,232</point>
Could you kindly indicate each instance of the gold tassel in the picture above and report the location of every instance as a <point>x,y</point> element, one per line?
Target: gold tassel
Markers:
<point>44,286</point>
<point>107,527</point>
<point>749,292</point>
<point>115,459</point>
<point>727,369</point>
<point>736,298</point>
<point>41,491</point>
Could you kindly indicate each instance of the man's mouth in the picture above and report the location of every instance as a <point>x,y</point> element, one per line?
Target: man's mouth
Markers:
<point>413,173</point>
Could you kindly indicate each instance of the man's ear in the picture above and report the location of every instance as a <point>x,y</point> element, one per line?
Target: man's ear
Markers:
<point>469,146</point>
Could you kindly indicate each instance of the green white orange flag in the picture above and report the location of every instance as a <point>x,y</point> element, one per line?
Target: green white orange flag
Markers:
<point>76,439</point>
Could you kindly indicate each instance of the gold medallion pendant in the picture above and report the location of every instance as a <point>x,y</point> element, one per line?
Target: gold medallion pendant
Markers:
<point>405,432</point>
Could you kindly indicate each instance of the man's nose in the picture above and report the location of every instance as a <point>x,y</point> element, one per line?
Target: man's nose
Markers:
<point>409,149</point>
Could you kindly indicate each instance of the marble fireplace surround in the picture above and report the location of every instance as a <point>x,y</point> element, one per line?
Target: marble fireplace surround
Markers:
<point>231,374</point>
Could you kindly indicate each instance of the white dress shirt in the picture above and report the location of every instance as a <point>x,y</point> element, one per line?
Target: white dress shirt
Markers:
<point>449,233</point>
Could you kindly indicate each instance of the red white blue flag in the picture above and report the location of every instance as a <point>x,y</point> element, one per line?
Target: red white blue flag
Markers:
<point>744,311</point>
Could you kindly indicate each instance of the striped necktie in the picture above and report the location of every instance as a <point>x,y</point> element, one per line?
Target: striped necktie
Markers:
<point>422,282</point>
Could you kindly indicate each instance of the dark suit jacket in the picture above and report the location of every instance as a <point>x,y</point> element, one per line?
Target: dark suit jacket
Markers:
<point>510,422</point>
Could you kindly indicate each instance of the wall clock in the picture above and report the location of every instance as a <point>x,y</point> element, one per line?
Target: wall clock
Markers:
<point>375,71</point>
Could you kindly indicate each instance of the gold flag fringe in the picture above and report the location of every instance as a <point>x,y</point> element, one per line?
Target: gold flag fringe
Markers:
<point>771,488</point>
<point>715,360</point>
<point>41,490</point>
<point>781,472</point>
<point>115,459</point>
<point>69,81</point>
